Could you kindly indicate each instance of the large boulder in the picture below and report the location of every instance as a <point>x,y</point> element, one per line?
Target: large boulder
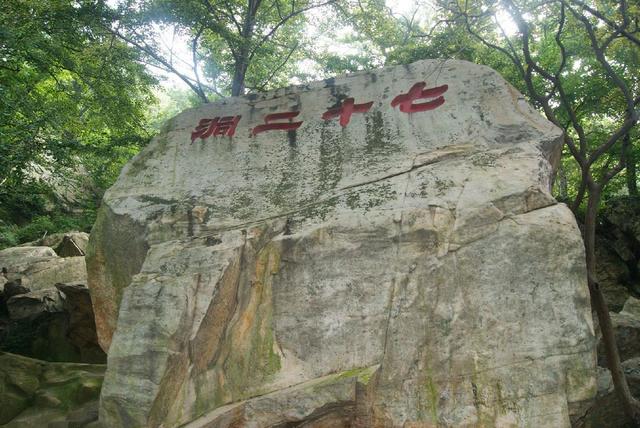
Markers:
<point>399,263</point>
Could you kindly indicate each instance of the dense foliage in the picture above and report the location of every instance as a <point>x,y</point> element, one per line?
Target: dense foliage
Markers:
<point>72,106</point>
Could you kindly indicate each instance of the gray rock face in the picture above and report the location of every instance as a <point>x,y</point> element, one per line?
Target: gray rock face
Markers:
<point>407,269</point>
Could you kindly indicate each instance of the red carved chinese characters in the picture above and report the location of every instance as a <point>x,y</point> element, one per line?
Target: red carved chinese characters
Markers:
<point>283,126</point>
<point>347,109</point>
<point>217,126</point>
<point>417,92</point>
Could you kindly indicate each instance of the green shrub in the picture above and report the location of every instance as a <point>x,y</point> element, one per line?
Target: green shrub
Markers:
<point>8,235</point>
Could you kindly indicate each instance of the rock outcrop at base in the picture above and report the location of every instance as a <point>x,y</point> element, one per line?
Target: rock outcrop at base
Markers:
<point>305,257</point>
<point>40,316</point>
<point>38,394</point>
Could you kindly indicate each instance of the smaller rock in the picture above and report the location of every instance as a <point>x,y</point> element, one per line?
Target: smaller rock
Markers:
<point>626,328</point>
<point>55,324</point>
<point>69,244</point>
<point>12,405</point>
<point>13,288</point>
<point>46,273</point>
<point>613,275</point>
<point>84,415</point>
<point>11,259</point>
<point>35,393</point>
<point>35,303</point>
<point>46,399</point>
<point>631,369</point>
<point>632,307</point>
<point>69,248</point>
<point>82,326</point>
<point>606,410</point>
<point>604,381</point>
<point>40,267</point>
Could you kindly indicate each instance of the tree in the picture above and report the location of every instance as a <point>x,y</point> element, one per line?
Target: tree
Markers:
<point>578,62</point>
<point>243,44</point>
<point>69,91</point>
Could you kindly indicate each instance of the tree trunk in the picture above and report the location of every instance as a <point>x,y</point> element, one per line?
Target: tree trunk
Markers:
<point>630,164</point>
<point>561,180</point>
<point>240,70</point>
<point>242,60</point>
<point>630,405</point>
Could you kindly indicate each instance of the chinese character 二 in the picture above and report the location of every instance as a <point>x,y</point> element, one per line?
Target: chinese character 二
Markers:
<point>346,110</point>
<point>217,126</point>
<point>270,125</point>
<point>418,92</point>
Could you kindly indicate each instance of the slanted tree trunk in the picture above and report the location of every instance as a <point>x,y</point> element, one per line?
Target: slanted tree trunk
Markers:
<point>630,161</point>
<point>631,405</point>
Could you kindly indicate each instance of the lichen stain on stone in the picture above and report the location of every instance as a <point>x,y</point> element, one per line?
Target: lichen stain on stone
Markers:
<point>376,137</point>
<point>331,159</point>
<point>252,359</point>
<point>292,138</point>
<point>139,163</point>
<point>283,194</point>
<point>427,396</point>
<point>242,205</point>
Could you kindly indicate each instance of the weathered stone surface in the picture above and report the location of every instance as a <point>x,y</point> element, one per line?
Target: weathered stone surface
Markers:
<point>54,324</point>
<point>13,288</point>
<point>613,275</point>
<point>40,267</point>
<point>618,251</point>
<point>35,393</point>
<point>81,330</point>
<point>626,327</point>
<point>632,307</point>
<point>12,259</point>
<point>305,402</point>
<point>32,304</point>
<point>47,273</point>
<point>606,410</point>
<point>68,244</point>
<point>232,274</point>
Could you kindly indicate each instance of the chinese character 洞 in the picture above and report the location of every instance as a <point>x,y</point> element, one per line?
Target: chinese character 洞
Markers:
<point>217,126</point>
<point>347,109</point>
<point>283,126</point>
<point>417,92</point>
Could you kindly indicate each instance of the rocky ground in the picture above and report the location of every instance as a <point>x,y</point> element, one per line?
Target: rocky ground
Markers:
<point>46,317</point>
<point>51,366</point>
